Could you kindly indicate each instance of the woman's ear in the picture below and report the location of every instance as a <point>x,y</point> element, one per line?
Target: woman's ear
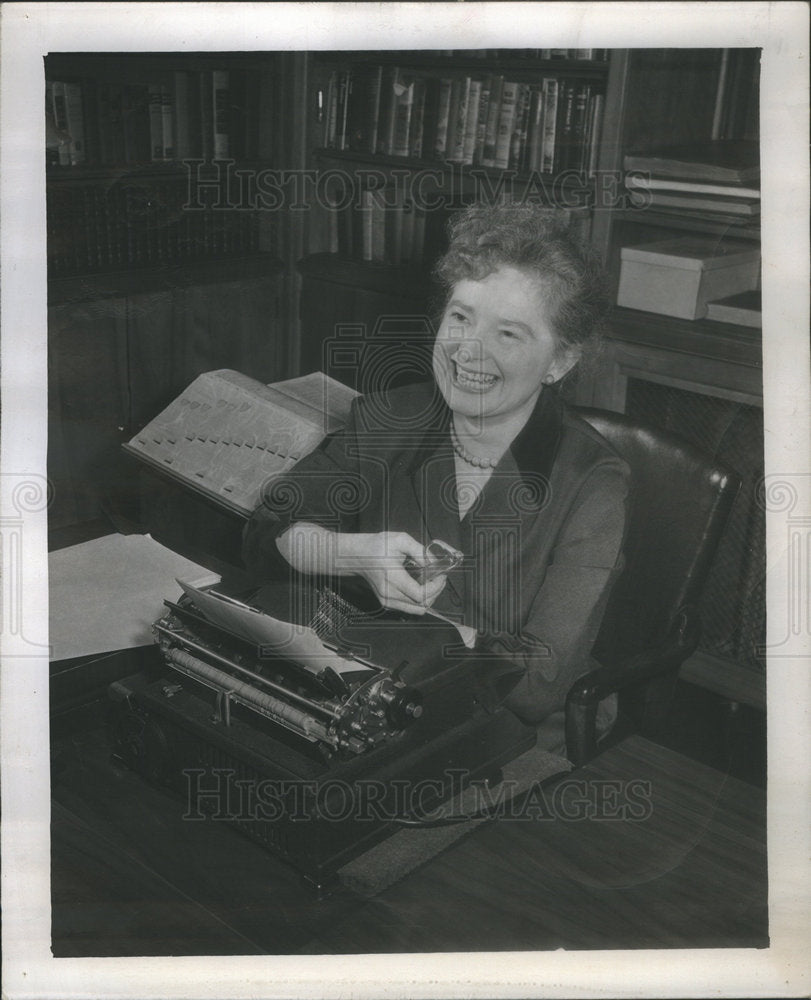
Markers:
<point>564,361</point>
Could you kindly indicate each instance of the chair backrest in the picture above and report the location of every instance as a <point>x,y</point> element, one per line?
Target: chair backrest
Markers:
<point>679,502</point>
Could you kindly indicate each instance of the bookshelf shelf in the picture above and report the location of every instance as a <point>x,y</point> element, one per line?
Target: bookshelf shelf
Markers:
<point>689,223</point>
<point>388,279</point>
<point>163,277</point>
<point>572,182</point>
<point>703,338</point>
<point>530,66</point>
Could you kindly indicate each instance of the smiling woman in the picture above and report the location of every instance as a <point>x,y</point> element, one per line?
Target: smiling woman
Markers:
<point>488,459</point>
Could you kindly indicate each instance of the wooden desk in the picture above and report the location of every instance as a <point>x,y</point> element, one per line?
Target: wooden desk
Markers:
<point>130,877</point>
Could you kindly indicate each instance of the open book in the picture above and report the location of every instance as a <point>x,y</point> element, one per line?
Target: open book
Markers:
<point>226,435</point>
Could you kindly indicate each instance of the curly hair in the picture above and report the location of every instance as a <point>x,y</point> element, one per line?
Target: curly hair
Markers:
<point>533,239</point>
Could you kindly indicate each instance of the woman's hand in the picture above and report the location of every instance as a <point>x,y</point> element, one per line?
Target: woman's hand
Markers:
<point>378,557</point>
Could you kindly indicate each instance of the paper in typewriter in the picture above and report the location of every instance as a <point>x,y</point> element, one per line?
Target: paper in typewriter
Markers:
<point>294,642</point>
<point>227,434</point>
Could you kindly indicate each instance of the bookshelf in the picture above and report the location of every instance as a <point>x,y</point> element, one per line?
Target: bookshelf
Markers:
<point>162,262</point>
<point>409,137</point>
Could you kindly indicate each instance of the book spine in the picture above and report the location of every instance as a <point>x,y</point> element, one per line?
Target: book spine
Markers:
<point>206,115</point>
<point>61,121</point>
<point>443,117</point>
<point>220,108</point>
<point>75,122</point>
<point>550,117</point>
<point>155,122</point>
<point>563,151</point>
<point>373,108</point>
<point>417,126</point>
<point>104,124</point>
<point>481,124</point>
<point>91,120</point>
<point>459,123</point>
<point>388,107</point>
<point>518,142</point>
<point>429,118</point>
<point>595,133</point>
<point>331,112</point>
<point>128,116</point>
<point>402,117</point>
<point>535,130</point>
<point>472,121</point>
<point>506,124</point>
<point>366,223</point>
<point>236,114</point>
<point>378,213</point>
<point>491,133</point>
<point>407,230</point>
<point>167,124</point>
<point>194,120</point>
<point>582,97</point>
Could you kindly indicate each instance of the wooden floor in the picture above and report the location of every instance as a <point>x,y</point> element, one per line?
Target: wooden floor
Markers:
<point>131,877</point>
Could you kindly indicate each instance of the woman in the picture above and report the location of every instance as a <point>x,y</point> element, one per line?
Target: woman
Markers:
<point>488,460</point>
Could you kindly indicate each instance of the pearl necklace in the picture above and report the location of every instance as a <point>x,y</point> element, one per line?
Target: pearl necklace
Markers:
<point>479,463</point>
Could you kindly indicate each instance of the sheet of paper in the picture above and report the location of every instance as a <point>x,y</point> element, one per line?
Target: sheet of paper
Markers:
<point>105,594</point>
<point>295,642</point>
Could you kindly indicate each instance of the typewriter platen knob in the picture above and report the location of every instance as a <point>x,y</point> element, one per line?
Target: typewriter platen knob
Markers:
<point>403,704</point>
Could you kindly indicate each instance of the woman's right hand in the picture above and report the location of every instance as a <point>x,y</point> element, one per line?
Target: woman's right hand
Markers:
<point>379,558</point>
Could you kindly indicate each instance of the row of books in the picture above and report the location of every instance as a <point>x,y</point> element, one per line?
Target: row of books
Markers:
<point>490,121</point>
<point>382,231</point>
<point>716,180</point>
<point>207,114</point>
<point>92,228</point>
<point>492,55</point>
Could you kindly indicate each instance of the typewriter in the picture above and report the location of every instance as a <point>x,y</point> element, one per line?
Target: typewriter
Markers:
<point>311,720</point>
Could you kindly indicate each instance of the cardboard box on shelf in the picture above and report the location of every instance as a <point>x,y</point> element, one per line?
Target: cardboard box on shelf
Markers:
<point>677,277</point>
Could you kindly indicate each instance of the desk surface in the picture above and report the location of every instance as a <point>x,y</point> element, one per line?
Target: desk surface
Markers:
<point>686,867</point>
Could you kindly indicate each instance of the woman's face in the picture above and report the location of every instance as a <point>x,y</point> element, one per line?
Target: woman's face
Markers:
<point>495,346</point>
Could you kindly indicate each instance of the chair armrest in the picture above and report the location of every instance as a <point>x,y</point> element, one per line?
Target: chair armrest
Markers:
<point>586,692</point>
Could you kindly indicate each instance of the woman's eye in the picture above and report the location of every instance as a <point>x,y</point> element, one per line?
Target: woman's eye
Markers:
<point>457,316</point>
<point>508,334</point>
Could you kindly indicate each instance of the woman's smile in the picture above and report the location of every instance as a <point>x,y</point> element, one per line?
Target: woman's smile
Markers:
<point>495,347</point>
<point>472,380</point>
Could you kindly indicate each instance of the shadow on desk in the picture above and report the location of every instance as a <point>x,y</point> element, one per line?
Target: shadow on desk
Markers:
<point>642,848</point>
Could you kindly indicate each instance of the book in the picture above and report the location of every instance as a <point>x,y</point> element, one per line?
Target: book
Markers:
<point>535,130</point>
<point>416,128</point>
<point>520,127</point>
<point>443,117</point>
<point>227,434</point>
<point>645,183</point>
<point>403,109</point>
<point>472,121</point>
<point>74,115</point>
<point>155,122</point>
<point>550,118</point>
<point>167,124</point>
<point>388,102</point>
<point>457,122</point>
<point>695,202</point>
<point>488,156</point>
<point>364,108</point>
<point>582,97</point>
<point>565,126</point>
<point>430,116</point>
<point>221,102</point>
<point>481,125</point>
<point>744,308</point>
<point>725,161</point>
<point>206,89</point>
<point>594,134</point>
<point>506,124</point>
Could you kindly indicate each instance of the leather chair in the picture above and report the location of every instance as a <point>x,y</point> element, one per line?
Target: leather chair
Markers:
<point>680,499</point>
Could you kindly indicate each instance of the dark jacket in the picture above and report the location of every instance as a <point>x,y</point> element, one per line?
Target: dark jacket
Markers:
<point>542,542</point>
